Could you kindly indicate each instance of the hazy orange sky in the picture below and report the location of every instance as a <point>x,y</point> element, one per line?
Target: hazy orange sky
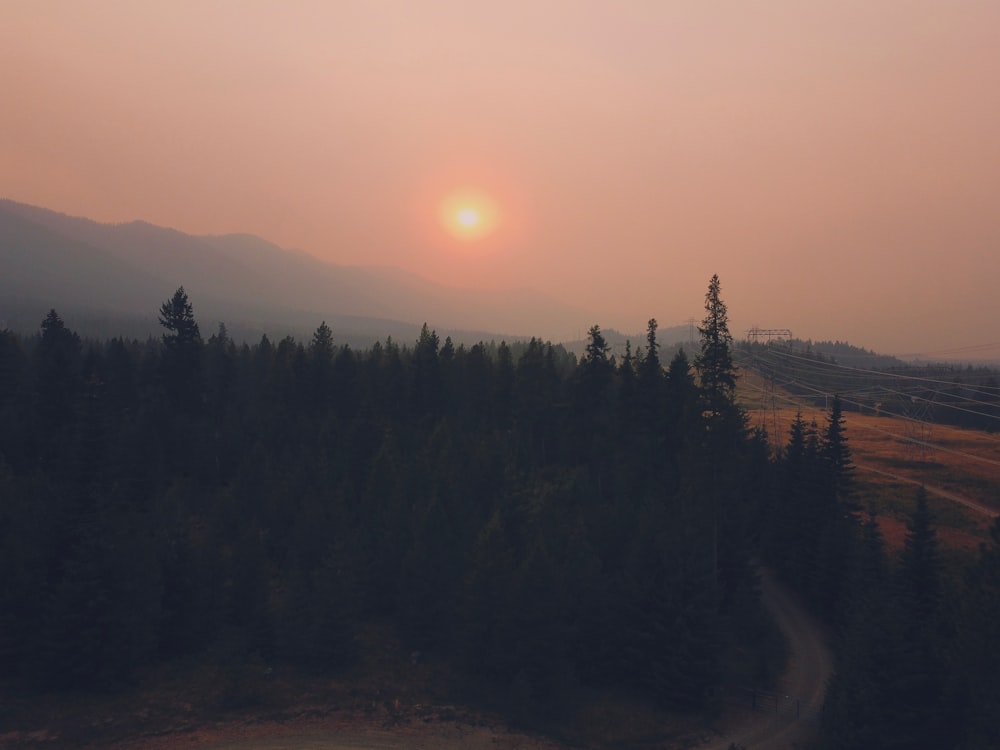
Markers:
<point>836,163</point>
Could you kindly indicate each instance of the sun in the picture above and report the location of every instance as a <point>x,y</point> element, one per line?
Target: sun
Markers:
<point>469,214</point>
<point>468,217</point>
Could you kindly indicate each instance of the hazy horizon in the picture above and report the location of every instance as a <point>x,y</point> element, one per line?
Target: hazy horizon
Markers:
<point>834,163</point>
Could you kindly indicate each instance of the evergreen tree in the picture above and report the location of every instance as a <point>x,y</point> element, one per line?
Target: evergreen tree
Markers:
<point>429,578</point>
<point>182,347</point>
<point>714,362</point>
<point>888,690</point>
<point>784,545</point>
<point>534,408</point>
<point>725,426</point>
<point>121,377</point>
<point>920,567</point>
<point>57,364</point>
<point>976,650</point>
<point>921,677</point>
<point>681,424</point>
<point>627,428</point>
<point>17,435</point>
<point>220,380</point>
<point>650,382</point>
<point>318,621</point>
<point>346,389</point>
<point>320,353</point>
<point>12,366</point>
<point>177,316</point>
<point>853,714</point>
<point>321,346</point>
<point>651,359</point>
<point>592,405</point>
<point>503,386</point>
<point>837,454</point>
<point>427,382</point>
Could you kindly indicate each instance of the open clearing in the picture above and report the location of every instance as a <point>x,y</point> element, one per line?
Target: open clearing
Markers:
<point>959,468</point>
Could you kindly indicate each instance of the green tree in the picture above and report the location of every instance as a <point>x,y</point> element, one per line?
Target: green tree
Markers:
<point>976,650</point>
<point>220,371</point>
<point>346,390</point>
<point>725,430</point>
<point>427,384</point>
<point>596,360</point>
<point>12,367</point>
<point>836,453</point>
<point>503,386</point>
<point>920,682</point>
<point>18,429</point>
<point>591,423</point>
<point>650,381</point>
<point>854,712</point>
<point>681,426</point>
<point>321,347</point>
<point>182,347</point>
<point>714,362</point>
<point>792,525</point>
<point>627,399</point>
<point>321,353</point>
<point>120,376</point>
<point>920,566</point>
<point>535,393</point>
<point>889,686</point>
<point>317,625</point>
<point>57,363</point>
<point>177,316</point>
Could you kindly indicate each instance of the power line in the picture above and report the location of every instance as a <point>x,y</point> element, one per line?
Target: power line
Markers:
<point>848,376</point>
<point>881,373</point>
<point>904,438</point>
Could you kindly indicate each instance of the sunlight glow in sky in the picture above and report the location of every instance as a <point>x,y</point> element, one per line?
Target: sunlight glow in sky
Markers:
<point>469,214</point>
<point>835,162</point>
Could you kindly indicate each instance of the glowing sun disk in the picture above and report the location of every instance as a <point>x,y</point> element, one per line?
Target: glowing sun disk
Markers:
<point>468,214</point>
<point>468,217</point>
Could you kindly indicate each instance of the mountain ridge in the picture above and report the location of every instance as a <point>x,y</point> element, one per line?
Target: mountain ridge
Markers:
<point>54,259</point>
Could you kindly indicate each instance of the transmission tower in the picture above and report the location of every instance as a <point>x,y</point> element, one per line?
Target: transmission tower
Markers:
<point>757,335</point>
<point>918,413</point>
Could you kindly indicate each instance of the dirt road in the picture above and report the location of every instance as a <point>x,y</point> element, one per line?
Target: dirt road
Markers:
<point>785,720</point>
<point>979,508</point>
<point>347,731</point>
<point>781,721</point>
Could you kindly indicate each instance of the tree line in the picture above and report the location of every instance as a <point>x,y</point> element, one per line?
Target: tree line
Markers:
<point>533,519</point>
<point>536,521</point>
<point>914,637</point>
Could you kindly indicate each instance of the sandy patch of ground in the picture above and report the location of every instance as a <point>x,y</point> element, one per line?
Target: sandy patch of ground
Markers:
<point>425,727</point>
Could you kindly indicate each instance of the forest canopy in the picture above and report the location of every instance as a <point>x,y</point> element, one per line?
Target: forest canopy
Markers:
<point>533,520</point>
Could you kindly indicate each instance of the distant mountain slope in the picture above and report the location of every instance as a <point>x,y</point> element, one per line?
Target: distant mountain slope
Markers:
<point>51,259</point>
<point>39,263</point>
<point>668,338</point>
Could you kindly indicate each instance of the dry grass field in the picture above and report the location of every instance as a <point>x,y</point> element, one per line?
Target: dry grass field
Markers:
<point>960,469</point>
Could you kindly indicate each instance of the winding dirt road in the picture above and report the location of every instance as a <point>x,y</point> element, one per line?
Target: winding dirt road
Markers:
<point>784,721</point>
<point>781,721</point>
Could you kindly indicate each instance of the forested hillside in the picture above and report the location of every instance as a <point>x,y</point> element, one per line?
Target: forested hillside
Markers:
<point>536,522</point>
